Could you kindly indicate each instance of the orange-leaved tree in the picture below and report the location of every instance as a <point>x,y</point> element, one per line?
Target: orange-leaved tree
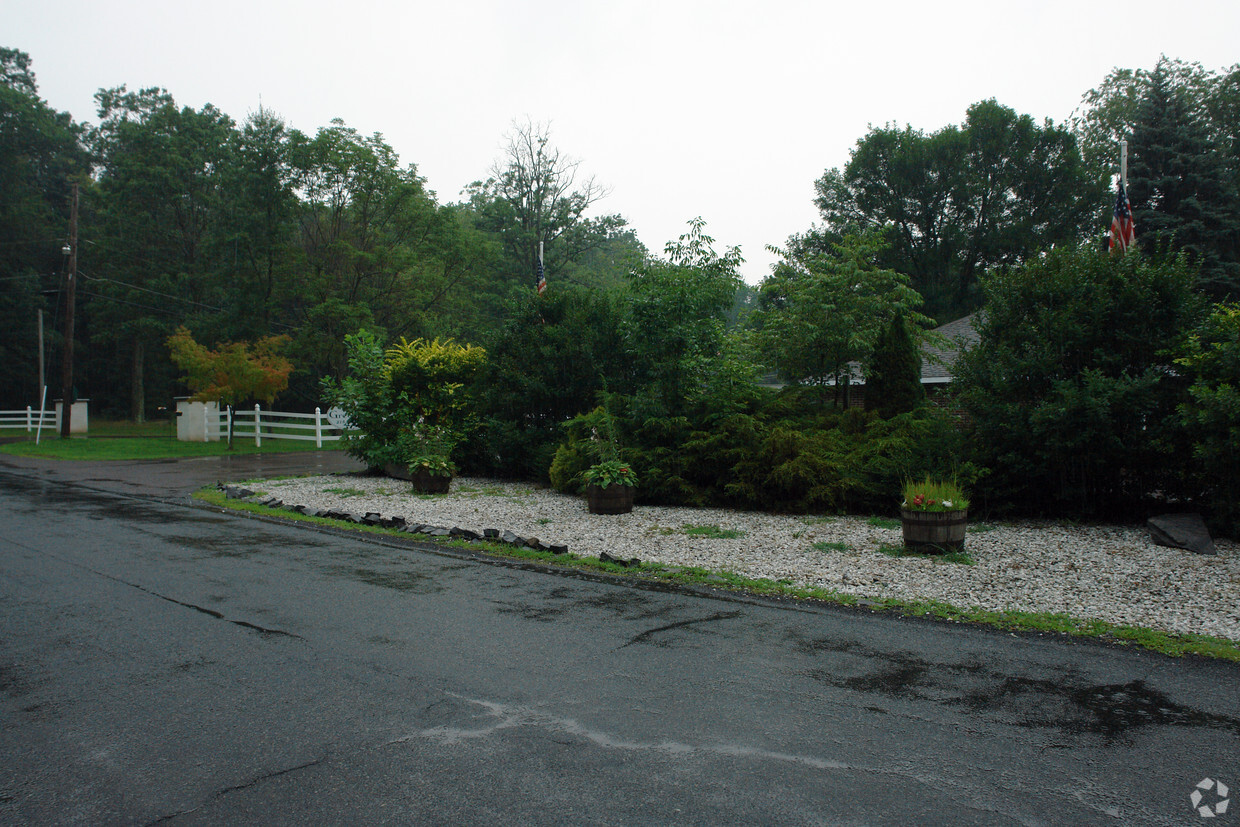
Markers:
<point>235,372</point>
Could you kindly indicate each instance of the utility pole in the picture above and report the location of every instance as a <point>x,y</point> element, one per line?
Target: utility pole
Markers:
<point>42,372</point>
<point>66,394</point>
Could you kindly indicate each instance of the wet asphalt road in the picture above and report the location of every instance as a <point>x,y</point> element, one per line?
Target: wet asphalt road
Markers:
<point>161,663</point>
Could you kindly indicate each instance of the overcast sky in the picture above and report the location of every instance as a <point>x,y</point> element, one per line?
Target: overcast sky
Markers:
<point>727,110</point>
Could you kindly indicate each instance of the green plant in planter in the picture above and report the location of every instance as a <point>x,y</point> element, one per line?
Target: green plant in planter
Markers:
<point>435,464</point>
<point>611,472</point>
<point>427,448</point>
<point>934,495</point>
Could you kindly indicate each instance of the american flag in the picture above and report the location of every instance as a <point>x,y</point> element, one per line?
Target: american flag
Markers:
<point>1122,230</point>
<point>542,276</point>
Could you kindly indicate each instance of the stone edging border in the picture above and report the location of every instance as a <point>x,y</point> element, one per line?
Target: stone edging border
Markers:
<point>374,518</point>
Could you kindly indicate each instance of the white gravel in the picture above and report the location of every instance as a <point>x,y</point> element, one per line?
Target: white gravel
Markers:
<point>1111,573</point>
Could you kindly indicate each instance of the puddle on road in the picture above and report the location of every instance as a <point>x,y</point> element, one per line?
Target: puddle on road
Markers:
<point>1113,711</point>
<point>628,605</point>
<point>624,604</point>
<point>529,611</point>
<point>396,579</point>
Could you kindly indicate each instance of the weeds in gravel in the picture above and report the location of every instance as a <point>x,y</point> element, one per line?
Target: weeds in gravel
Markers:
<point>883,522</point>
<point>829,547</point>
<point>485,491</point>
<point>341,491</point>
<point>711,532</point>
<point>958,557</point>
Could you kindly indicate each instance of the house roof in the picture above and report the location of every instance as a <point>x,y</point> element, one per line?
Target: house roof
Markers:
<point>937,362</point>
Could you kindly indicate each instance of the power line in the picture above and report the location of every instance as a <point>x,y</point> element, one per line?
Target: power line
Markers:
<point>152,292</point>
<point>163,310</point>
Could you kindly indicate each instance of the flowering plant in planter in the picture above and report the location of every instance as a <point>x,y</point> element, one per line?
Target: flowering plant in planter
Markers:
<point>933,495</point>
<point>610,472</point>
<point>933,515</point>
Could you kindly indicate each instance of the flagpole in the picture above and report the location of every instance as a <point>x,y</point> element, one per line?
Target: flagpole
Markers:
<point>1123,164</point>
<point>541,284</point>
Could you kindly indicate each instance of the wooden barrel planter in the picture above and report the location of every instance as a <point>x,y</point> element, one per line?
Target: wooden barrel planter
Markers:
<point>934,531</point>
<point>614,499</point>
<point>424,482</point>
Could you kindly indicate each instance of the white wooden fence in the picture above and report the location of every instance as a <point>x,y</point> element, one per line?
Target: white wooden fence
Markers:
<point>261,425</point>
<point>28,419</point>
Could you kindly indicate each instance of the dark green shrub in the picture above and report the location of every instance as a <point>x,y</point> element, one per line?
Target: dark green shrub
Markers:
<point>545,366</point>
<point>1210,357</point>
<point>1068,390</point>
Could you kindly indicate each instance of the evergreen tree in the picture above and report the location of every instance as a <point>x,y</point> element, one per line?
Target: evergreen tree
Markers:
<point>1182,191</point>
<point>893,381</point>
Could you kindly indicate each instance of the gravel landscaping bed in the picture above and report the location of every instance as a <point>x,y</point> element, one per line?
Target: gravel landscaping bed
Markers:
<point>1111,573</point>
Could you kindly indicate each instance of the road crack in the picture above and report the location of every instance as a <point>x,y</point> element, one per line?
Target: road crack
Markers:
<point>245,785</point>
<point>244,624</point>
<point>649,633</point>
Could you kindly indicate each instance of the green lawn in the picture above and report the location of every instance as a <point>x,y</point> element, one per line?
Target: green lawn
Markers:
<point>111,440</point>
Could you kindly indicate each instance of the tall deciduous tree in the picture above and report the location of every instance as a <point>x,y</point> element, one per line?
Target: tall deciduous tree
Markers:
<point>374,241</point>
<point>823,313</point>
<point>952,203</point>
<point>677,316</point>
<point>255,246</point>
<point>534,196</point>
<point>41,154</point>
<point>157,202</point>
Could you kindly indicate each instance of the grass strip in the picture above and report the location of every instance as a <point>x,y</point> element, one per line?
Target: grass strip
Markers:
<point>1167,643</point>
<point>95,448</point>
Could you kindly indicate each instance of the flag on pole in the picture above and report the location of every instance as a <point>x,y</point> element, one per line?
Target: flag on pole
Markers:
<point>1122,230</point>
<point>542,275</point>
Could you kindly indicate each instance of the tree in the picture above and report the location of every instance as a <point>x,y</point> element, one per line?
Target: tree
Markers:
<point>373,240</point>
<point>235,372</point>
<point>255,246</point>
<point>41,155</point>
<point>156,203</point>
<point>951,204</point>
<point>1182,124</point>
<point>534,197</point>
<point>1183,193</point>
<point>823,314</point>
<point>893,380</point>
<point>1109,112</point>
<point>1068,390</point>
<point>546,364</point>
<point>677,312</point>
